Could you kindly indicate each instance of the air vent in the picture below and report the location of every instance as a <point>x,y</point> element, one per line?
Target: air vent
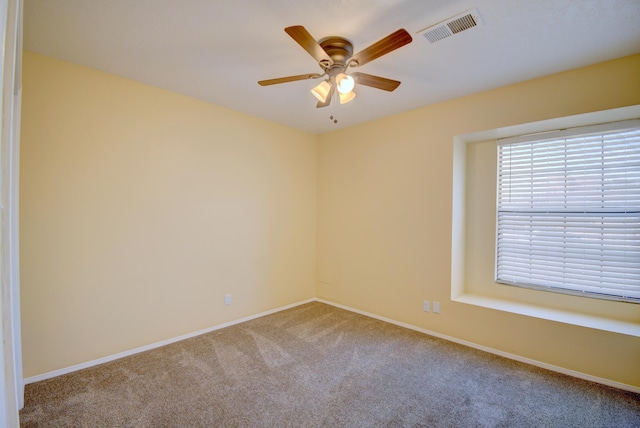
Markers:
<point>454,25</point>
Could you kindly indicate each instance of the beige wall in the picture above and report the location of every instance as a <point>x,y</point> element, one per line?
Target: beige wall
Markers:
<point>385,217</point>
<point>141,208</point>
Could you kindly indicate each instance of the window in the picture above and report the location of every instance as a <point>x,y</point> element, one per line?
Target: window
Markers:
<point>568,214</point>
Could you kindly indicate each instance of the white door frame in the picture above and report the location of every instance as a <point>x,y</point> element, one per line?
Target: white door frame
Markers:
<point>11,379</point>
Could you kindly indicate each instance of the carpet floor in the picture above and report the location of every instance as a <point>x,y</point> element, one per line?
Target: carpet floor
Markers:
<point>319,366</point>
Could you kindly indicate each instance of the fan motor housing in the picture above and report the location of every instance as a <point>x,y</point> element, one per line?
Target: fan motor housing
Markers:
<point>338,48</point>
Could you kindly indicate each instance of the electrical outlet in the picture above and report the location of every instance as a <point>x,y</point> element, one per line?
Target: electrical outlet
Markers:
<point>227,299</point>
<point>425,306</point>
<point>436,307</point>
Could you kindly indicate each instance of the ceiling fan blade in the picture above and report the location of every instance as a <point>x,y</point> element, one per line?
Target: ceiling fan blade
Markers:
<point>327,101</point>
<point>376,81</point>
<point>289,79</point>
<point>382,47</point>
<point>308,43</point>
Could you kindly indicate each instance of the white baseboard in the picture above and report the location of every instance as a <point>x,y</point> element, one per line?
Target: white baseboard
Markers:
<point>109,358</point>
<point>519,358</point>
<point>536,363</point>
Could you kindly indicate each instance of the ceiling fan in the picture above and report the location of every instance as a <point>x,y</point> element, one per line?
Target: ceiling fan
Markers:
<point>335,56</point>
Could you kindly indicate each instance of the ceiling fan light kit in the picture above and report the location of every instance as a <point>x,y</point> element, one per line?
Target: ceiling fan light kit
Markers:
<point>335,56</point>
<point>343,83</point>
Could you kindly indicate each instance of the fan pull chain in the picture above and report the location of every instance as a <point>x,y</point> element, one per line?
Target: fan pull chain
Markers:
<point>332,117</point>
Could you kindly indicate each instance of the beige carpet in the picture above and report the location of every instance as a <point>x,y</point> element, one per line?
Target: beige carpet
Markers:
<point>319,366</point>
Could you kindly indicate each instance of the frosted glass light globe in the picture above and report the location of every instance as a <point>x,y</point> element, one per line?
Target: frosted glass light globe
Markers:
<point>345,83</point>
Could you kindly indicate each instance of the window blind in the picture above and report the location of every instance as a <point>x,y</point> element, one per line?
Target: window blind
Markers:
<point>568,214</point>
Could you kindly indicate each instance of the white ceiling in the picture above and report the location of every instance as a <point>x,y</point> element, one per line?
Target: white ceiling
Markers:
<point>216,50</point>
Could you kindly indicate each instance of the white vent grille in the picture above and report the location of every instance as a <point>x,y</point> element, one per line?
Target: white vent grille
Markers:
<point>454,25</point>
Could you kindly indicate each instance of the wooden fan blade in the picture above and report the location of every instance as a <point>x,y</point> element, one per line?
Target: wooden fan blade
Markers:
<point>375,81</point>
<point>288,79</point>
<point>308,43</point>
<point>327,101</point>
<point>382,47</point>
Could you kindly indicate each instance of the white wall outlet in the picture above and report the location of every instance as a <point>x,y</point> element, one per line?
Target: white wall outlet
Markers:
<point>436,307</point>
<point>227,299</point>
<point>425,306</point>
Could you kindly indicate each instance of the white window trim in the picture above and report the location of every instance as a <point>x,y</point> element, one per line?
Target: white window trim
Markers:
<point>460,291</point>
<point>11,380</point>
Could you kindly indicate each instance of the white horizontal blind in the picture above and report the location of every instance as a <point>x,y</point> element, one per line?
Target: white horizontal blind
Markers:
<point>569,211</point>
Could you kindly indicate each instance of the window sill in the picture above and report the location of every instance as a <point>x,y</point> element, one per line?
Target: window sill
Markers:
<point>567,317</point>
